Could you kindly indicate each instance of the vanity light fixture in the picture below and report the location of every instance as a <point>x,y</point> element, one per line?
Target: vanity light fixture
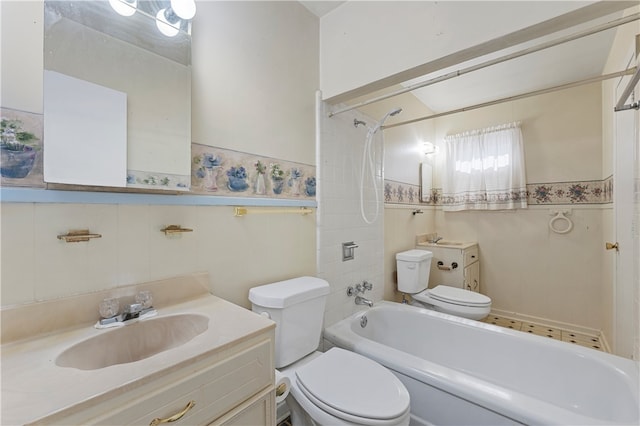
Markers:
<point>169,20</point>
<point>185,9</point>
<point>428,148</point>
<point>124,7</point>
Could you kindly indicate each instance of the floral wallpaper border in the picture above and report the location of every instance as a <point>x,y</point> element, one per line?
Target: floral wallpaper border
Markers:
<point>22,148</point>
<point>219,171</point>
<point>214,171</point>
<point>152,180</point>
<point>550,193</point>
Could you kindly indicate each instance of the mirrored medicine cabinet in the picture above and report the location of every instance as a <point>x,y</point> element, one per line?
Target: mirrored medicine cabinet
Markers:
<point>426,183</point>
<point>117,97</point>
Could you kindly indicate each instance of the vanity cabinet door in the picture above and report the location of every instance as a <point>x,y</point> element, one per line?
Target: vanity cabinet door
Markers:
<point>455,267</point>
<point>472,277</point>
<point>218,387</point>
<point>446,267</point>
<point>259,411</point>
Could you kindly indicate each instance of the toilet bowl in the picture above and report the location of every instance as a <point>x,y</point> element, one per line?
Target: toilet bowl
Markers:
<point>340,387</point>
<point>337,387</point>
<point>413,276</point>
<point>455,301</point>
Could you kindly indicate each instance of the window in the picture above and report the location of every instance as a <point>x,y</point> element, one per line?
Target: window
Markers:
<point>484,170</point>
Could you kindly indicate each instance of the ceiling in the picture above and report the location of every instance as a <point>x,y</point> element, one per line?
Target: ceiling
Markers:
<point>566,63</point>
<point>321,7</point>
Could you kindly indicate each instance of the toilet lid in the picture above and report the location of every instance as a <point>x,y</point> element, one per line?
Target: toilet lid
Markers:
<point>459,296</point>
<point>349,385</point>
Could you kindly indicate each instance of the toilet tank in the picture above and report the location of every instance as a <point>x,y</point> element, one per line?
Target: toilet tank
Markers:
<point>297,307</point>
<point>413,270</point>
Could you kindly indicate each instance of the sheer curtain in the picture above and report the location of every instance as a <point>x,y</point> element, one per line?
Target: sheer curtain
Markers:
<point>484,170</point>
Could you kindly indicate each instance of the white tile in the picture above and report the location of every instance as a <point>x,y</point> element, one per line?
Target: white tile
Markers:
<point>171,255</point>
<point>17,253</point>
<point>133,244</point>
<point>102,253</point>
<point>61,267</point>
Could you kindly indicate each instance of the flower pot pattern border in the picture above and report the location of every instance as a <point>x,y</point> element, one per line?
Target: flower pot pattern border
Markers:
<point>24,168</point>
<point>220,171</point>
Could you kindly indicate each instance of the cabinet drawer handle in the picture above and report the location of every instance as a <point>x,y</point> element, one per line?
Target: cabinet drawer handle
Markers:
<point>175,417</point>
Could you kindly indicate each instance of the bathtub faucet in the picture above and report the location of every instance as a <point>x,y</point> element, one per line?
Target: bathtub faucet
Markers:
<point>353,290</point>
<point>362,301</point>
<point>359,289</point>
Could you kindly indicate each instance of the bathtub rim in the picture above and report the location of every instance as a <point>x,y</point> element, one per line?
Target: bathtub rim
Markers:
<point>477,391</point>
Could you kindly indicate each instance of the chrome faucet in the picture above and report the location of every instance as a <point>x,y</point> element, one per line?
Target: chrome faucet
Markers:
<point>358,289</point>
<point>131,311</point>
<point>109,308</point>
<point>362,301</point>
<point>435,240</point>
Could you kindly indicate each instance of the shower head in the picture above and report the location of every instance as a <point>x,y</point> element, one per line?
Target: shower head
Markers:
<point>391,113</point>
<point>395,111</point>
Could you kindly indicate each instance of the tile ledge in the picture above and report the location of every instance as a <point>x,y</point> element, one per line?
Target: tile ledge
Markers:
<point>21,322</point>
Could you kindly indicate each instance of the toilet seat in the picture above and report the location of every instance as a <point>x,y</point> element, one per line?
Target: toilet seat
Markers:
<point>353,388</point>
<point>455,301</point>
<point>458,296</point>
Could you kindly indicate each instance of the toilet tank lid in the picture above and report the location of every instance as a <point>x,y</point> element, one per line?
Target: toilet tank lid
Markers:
<point>289,292</point>
<point>414,255</point>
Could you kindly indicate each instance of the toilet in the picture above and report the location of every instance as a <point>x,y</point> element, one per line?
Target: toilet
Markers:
<point>337,387</point>
<point>413,279</point>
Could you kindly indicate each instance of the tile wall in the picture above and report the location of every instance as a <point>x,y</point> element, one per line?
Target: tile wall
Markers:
<point>237,252</point>
<point>339,155</point>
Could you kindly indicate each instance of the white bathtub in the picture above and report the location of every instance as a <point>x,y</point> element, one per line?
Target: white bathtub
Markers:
<point>463,372</point>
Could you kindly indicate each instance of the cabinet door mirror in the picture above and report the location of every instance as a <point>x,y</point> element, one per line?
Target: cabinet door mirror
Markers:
<point>87,41</point>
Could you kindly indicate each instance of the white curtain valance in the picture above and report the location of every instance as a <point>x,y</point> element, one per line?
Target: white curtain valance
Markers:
<point>485,170</point>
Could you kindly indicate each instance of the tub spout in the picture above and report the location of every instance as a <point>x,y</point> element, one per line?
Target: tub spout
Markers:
<point>362,301</point>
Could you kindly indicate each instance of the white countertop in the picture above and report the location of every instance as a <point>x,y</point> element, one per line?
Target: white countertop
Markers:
<point>422,241</point>
<point>34,387</point>
<point>460,245</point>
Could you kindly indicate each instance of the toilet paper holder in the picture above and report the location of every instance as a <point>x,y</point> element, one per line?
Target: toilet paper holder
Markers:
<point>441,266</point>
<point>281,389</point>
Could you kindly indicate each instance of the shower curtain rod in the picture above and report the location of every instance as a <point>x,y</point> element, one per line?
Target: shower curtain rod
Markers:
<point>516,97</point>
<point>620,106</point>
<point>533,49</point>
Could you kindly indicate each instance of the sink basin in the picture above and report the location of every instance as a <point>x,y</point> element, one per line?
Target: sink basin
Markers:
<point>133,342</point>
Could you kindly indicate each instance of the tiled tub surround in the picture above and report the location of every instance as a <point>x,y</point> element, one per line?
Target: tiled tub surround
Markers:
<point>35,389</point>
<point>339,155</point>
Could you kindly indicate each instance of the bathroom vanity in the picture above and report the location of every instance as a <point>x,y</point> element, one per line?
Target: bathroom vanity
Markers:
<point>454,263</point>
<point>223,374</point>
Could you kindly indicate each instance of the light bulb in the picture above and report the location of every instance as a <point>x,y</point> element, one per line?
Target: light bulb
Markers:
<point>186,9</point>
<point>170,29</point>
<point>124,7</point>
